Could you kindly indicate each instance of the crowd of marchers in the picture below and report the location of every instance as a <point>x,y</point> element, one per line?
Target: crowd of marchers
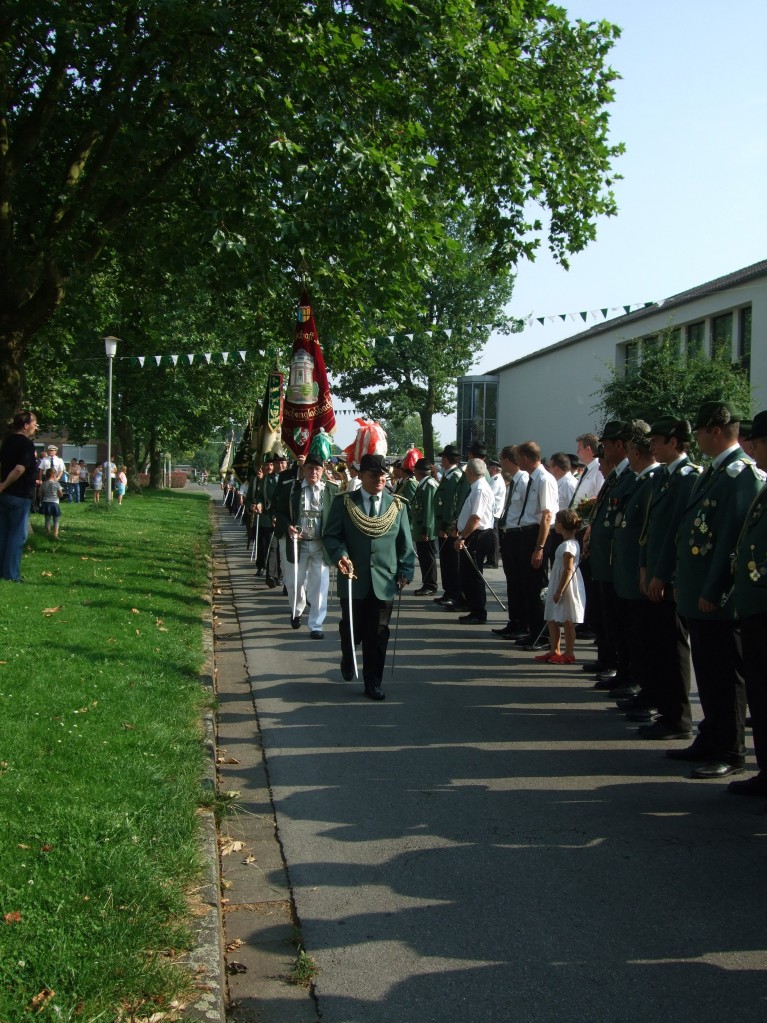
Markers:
<point>626,541</point>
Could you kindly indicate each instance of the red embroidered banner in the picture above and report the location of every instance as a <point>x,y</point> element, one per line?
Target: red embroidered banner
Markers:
<point>308,405</point>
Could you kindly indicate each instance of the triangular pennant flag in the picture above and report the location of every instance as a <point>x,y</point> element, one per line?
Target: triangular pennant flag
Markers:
<point>563,317</point>
<point>604,312</point>
<point>190,356</point>
<point>390,337</point>
<point>583,316</point>
<point>541,319</point>
<point>174,359</point>
<point>409,337</point>
<point>648,303</point>
<point>158,359</point>
<point>225,357</point>
<point>207,357</point>
<point>242,355</point>
<point>627,308</point>
<point>448,332</point>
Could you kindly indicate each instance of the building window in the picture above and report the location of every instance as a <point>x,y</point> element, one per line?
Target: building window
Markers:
<point>477,412</point>
<point>721,337</point>
<point>632,357</point>
<point>695,340</point>
<point>744,338</point>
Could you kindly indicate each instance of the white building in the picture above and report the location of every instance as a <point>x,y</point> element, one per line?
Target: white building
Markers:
<point>549,395</point>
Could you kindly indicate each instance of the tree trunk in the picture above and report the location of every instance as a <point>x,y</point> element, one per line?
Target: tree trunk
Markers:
<point>128,454</point>
<point>155,462</point>
<point>427,429</point>
<point>12,347</point>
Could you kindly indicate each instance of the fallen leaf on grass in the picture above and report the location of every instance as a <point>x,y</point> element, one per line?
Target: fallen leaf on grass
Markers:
<point>46,573</point>
<point>127,726</point>
<point>138,632</point>
<point>229,845</point>
<point>40,1000</point>
<point>52,610</point>
<point>13,918</point>
<point>135,611</point>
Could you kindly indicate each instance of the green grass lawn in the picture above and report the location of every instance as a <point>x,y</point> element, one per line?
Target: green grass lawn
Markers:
<point>101,759</point>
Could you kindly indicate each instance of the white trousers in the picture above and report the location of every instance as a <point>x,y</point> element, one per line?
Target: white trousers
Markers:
<point>313,579</point>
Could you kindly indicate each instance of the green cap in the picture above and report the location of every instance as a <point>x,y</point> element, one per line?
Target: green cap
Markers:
<point>722,410</point>
<point>616,430</point>
<point>670,426</point>
<point>758,427</point>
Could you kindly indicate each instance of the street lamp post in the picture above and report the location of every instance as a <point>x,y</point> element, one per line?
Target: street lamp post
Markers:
<point>110,347</point>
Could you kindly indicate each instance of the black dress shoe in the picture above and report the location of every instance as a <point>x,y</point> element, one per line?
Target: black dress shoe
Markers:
<point>756,786</point>
<point>607,675</point>
<point>592,667</point>
<point>347,670</point>
<point>259,572</point>
<point>717,769</point>
<point>523,640</point>
<point>660,730</point>
<point>295,623</point>
<point>641,715</point>
<point>316,634</point>
<point>621,692</point>
<point>375,693</point>
<point>424,591</point>
<point>694,754</point>
<point>454,606</point>
<point>541,644</point>
<point>440,600</point>
<point>472,620</point>
<point>633,703</point>
<point>505,631</point>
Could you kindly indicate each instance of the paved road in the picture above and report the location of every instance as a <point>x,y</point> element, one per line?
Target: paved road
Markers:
<point>492,843</point>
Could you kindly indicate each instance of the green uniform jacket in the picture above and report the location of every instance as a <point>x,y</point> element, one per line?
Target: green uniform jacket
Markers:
<point>286,508</point>
<point>628,529</point>
<point>708,533</point>
<point>406,488</point>
<point>750,585</point>
<point>422,521</point>
<point>669,497</point>
<point>445,512</point>
<point>609,504</point>
<point>264,495</point>
<point>378,561</point>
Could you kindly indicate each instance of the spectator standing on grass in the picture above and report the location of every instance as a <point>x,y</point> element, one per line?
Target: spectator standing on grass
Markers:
<point>73,482</point>
<point>52,461</point>
<point>97,483</point>
<point>18,474</point>
<point>50,495</point>
<point>121,482</point>
<point>82,478</point>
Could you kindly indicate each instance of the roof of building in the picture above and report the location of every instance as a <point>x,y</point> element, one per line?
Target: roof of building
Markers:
<point>743,276</point>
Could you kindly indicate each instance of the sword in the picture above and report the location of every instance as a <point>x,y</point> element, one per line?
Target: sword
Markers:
<point>239,511</point>
<point>295,572</point>
<point>351,624</point>
<point>396,630</point>
<point>474,566</point>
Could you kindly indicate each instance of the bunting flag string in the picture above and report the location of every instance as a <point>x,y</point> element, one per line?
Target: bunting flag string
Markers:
<point>222,358</point>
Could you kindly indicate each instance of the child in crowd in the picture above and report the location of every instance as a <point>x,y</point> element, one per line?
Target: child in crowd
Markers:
<point>50,494</point>
<point>97,484</point>
<point>121,482</point>
<point>566,597</point>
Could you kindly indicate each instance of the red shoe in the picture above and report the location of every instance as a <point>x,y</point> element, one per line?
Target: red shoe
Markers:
<point>561,659</point>
<point>545,658</point>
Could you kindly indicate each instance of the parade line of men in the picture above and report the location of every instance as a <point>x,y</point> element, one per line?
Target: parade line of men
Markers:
<point>673,559</point>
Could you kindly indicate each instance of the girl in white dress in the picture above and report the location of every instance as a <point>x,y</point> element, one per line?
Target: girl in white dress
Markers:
<point>566,597</point>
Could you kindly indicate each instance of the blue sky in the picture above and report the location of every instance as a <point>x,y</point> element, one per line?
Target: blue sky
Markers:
<point>691,109</point>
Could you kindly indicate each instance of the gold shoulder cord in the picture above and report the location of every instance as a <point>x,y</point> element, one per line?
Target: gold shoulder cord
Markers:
<point>373,526</point>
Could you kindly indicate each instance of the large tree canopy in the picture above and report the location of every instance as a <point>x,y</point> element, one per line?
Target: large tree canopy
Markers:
<point>345,133</point>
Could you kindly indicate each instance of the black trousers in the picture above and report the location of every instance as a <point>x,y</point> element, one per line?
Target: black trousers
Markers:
<point>264,538</point>
<point>753,630</point>
<point>525,582</point>
<point>448,566</point>
<point>470,567</point>
<point>427,560</point>
<point>371,630</point>
<point>718,663</point>
<point>660,659</point>
<point>612,633</point>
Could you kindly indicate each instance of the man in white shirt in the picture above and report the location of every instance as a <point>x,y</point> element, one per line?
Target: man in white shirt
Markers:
<point>590,481</point>
<point>540,505</point>
<point>52,461</point>
<point>498,487</point>
<point>508,535</point>
<point>473,541</point>
<point>560,468</point>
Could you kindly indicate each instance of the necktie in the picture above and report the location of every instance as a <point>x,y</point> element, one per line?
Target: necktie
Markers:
<point>581,478</point>
<point>524,503</point>
<point>373,510</point>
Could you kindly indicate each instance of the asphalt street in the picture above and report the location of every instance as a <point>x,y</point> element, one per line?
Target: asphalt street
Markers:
<point>493,842</point>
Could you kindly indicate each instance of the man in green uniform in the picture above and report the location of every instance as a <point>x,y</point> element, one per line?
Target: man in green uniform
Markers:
<point>708,533</point>
<point>446,512</point>
<point>670,647</point>
<point>368,537</point>
<point>423,526</point>
<point>750,597</point>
